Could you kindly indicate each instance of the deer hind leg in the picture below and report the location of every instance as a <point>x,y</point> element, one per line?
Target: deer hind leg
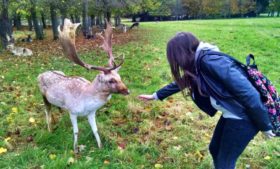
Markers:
<point>48,113</point>
<point>75,131</point>
<point>92,122</point>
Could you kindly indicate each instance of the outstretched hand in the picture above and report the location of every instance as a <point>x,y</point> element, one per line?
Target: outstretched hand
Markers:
<point>145,97</point>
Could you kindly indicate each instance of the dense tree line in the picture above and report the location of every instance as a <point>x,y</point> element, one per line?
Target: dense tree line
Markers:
<point>197,9</point>
<point>38,14</point>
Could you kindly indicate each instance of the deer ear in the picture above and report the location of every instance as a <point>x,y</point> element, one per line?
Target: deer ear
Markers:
<point>117,69</point>
<point>76,25</point>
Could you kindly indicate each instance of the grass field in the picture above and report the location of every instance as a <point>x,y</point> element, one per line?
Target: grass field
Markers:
<point>169,134</point>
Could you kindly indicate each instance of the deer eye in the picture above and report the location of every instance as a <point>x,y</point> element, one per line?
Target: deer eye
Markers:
<point>112,81</point>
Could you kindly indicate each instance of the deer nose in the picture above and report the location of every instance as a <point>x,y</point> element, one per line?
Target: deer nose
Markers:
<point>125,92</point>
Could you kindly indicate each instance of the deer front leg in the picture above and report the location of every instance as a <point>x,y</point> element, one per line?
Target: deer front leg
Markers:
<point>48,119</point>
<point>92,122</point>
<point>75,131</point>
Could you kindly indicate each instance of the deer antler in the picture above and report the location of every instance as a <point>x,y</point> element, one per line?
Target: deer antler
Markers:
<point>67,41</point>
<point>107,41</point>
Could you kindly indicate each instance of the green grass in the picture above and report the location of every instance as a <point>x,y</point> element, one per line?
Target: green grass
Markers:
<point>173,133</point>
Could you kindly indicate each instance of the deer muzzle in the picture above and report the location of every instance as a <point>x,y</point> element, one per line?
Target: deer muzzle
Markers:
<point>125,92</point>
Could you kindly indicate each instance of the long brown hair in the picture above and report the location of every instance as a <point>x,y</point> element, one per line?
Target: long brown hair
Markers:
<point>181,57</point>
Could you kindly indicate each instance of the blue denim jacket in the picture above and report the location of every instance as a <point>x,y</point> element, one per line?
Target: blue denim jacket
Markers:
<point>225,81</point>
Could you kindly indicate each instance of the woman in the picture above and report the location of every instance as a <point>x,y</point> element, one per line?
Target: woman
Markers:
<point>216,82</point>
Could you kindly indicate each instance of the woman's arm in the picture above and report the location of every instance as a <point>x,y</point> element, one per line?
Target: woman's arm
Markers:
<point>167,91</point>
<point>163,93</point>
<point>202,102</point>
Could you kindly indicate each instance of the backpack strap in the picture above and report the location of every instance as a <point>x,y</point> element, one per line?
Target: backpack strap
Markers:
<point>209,52</point>
<point>248,60</point>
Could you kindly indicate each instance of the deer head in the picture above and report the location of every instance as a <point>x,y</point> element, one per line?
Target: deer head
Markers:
<point>108,77</point>
<point>10,42</point>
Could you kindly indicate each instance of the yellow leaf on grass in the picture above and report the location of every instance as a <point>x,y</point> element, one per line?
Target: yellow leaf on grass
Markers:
<point>198,155</point>
<point>267,157</point>
<point>52,156</point>
<point>3,150</point>
<point>158,166</point>
<point>14,110</point>
<point>71,160</point>
<point>7,139</point>
<point>31,120</point>
<point>106,162</point>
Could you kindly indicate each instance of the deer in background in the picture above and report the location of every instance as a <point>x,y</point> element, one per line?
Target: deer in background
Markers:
<point>76,94</point>
<point>18,51</point>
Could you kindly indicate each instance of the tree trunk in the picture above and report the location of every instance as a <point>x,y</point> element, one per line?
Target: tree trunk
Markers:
<point>133,18</point>
<point>72,18</point>
<point>77,18</point>
<point>63,14</point>
<point>5,25</point>
<point>117,20</point>
<point>37,27</point>
<point>43,20</point>
<point>17,21</point>
<point>97,20</point>
<point>107,15</point>
<point>92,20</point>
<point>30,25</point>
<point>86,27</point>
<point>54,21</point>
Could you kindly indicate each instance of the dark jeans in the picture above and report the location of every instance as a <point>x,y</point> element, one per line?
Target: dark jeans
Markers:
<point>229,140</point>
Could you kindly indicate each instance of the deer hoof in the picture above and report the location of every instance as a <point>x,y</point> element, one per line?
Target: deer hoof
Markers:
<point>76,150</point>
<point>100,146</point>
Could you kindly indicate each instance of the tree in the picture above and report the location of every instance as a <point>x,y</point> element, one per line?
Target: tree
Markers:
<point>38,28</point>
<point>193,8</point>
<point>261,6</point>
<point>54,20</point>
<point>86,25</point>
<point>211,8</point>
<point>5,24</point>
<point>274,6</point>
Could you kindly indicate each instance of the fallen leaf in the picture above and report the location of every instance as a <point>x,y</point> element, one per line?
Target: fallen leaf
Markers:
<point>121,146</point>
<point>7,139</point>
<point>158,166</point>
<point>14,110</point>
<point>175,138</point>
<point>31,120</point>
<point>177,147</point>
<point>106,162</point>
<point>198,155</point>
<point>29,139</point>
<point>52,156</point>
<point>88,159</point>
<point>267,157</point>
<point>3,150</point>
<point>17,132</point>
<point>70,161</point>
<point>168,128</point>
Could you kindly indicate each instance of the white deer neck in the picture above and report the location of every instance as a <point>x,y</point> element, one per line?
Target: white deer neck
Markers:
<point>99,89</point>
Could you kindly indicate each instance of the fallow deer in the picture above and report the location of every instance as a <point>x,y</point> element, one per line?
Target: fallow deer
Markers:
<point>76,94</point>
<point>17,51</point>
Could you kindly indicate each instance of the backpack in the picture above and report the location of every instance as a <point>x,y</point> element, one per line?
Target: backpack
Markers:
<point>268,92</point>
